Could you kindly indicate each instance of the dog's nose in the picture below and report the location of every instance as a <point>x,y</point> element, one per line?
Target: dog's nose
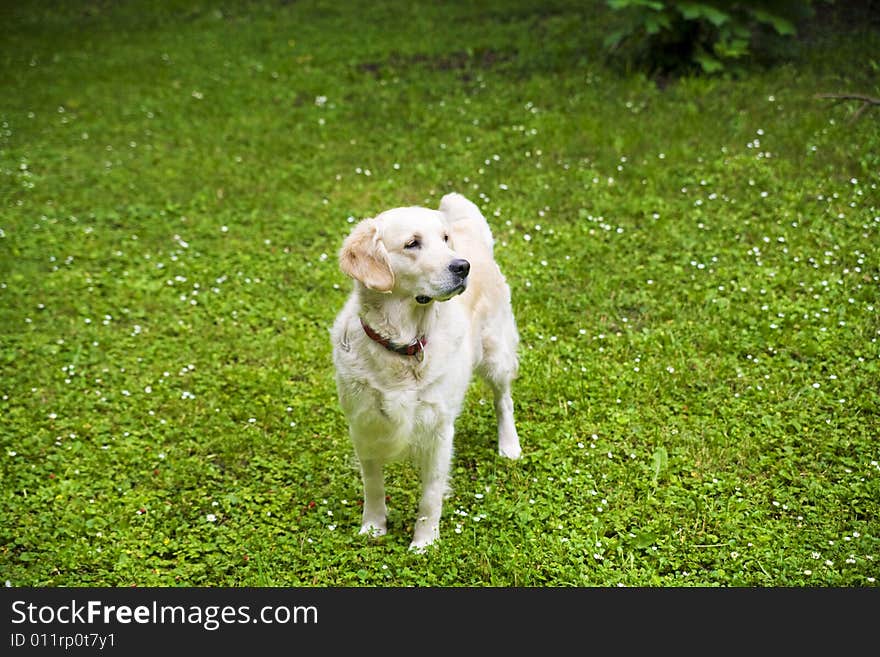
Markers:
<point>460,267</point>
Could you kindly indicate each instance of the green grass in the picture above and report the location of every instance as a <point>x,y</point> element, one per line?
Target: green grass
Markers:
<point>694,273</point>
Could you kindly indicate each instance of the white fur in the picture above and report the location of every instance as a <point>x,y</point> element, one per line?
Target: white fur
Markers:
<point>401,406</point>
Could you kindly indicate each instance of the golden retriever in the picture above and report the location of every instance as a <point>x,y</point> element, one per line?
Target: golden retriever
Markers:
<point>429,306</point>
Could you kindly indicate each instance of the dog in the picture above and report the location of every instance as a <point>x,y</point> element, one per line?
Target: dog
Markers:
<point>429,306</point>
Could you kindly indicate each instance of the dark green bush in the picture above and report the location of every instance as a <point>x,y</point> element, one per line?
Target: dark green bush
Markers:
<point>713,35</point>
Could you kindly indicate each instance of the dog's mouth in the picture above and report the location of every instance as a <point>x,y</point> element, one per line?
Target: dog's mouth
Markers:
<point>446,296</point>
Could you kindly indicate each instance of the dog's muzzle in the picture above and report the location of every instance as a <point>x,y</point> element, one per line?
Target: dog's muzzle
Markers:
<point>460,268</point>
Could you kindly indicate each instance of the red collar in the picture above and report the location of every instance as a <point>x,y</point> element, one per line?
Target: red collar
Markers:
<point>414,348</point>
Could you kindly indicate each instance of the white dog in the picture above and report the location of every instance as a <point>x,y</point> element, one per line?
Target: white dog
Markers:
<point>429,306</point>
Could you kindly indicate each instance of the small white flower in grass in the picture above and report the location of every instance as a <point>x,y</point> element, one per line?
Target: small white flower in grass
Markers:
<point>252,420</point>
<point>211,517</point>
<point>808,572</point>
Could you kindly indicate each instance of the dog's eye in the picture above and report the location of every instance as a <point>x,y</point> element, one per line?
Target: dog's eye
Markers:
<point>446,238</point>
<point>412,244</point>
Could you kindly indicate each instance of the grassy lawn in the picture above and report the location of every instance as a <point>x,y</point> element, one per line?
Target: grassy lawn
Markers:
<point>694,268</point>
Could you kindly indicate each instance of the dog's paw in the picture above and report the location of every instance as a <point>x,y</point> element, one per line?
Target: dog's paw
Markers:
<point>510,450</point>
<point>373,530</point>
<point>420,547</point>
<point>425,534</point>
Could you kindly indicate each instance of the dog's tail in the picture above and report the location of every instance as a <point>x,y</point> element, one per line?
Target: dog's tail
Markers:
<point>457,208</point>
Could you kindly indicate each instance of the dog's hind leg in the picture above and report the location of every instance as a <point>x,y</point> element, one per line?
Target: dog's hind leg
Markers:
<point>508,439</point>
<point>373,522</point>
<point>499,367</point>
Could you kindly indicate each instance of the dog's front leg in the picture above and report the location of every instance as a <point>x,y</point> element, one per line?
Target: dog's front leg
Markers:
<point>373,522</point>
<point>434,462</point>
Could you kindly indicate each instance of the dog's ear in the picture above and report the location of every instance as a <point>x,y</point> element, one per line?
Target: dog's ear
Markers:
<point>364,258</point>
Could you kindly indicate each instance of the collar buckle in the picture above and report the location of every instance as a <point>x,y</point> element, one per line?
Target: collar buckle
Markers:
<point>415,348</point>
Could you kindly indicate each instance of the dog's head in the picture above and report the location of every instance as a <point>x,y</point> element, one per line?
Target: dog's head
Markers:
<point>407,252</point>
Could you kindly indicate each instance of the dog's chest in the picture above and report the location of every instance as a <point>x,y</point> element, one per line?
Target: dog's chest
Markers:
<point>407,395</point>
<point>399,403</point>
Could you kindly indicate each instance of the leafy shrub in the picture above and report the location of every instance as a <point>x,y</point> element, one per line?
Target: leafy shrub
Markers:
<point>712,35</point>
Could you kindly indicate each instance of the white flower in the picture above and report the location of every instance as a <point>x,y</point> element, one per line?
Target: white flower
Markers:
<point>211,517</point>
